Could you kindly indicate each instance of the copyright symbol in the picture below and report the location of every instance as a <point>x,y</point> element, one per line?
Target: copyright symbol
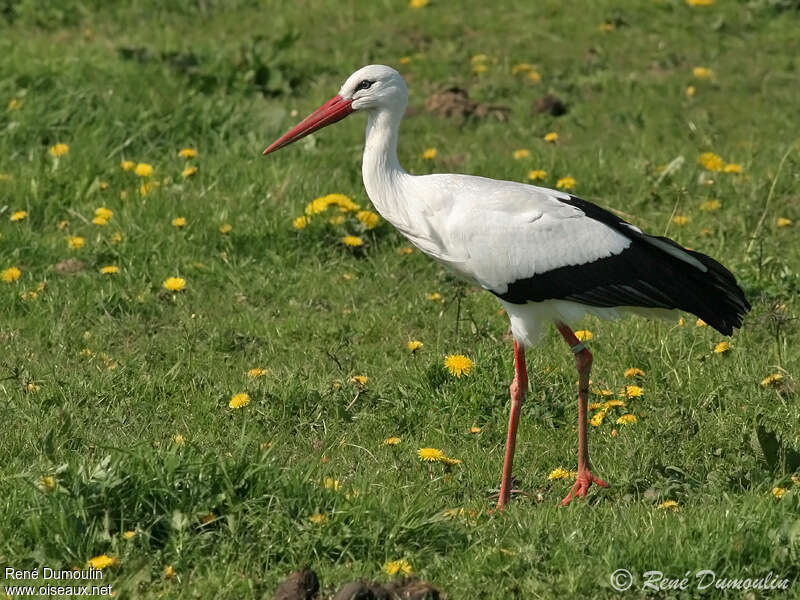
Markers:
<point>621,580</point>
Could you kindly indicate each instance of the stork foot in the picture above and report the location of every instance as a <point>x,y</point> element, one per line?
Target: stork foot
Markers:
<point>581,486</point>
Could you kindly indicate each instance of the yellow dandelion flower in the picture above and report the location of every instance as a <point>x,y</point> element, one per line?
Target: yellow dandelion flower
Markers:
<point>406,250</point>
<point>584,335</point>
<point>317,205</point>
<point>596,405</point>
<point>127,165</point>
<point>175,284</point>
<point>148,187</point>
<point>711,161</point>
<point>418,3</point>
<point>783,222</point>
<point>14,104</point>
<point>256,372</point>
<point>479,68</point>
<point>404,60</point>
<point>393,567</point>
<point>634,372</point>
<point>332,484</point>
<point>478,58</point>
<point>691,91</point>
<point>369,219</point>
<point>239,400</point>
<point>109,270</point>
<point>179,439</point>
<point>632,391</point>
<point>225,229</point>
<point>537,174</point>
<point>450,461</point>
<point>772,380</point>
<point>458,364</point>
<point>117,237</point>
<point>733,168</point>
<point>342,201</point>
<point>566,183</point>
<point>702,73</point>
<point>179,222</point>
<point>301,222</point>
<point>75,242</point>
<point>533,76</point>
<point>551,137</point>
<point>627,419</point>
<point>681,220</point>
<point>318,518</point>
<point>778,492</point>
<point>187,153</point>
<point>47,483</point>
<point>722,348</point>
<point>700,323</point>
<point>59,150</point>
<point>606,27</point>
<point>699,2</point>
<point>414,345</point>
<point>143,170</point>
<point>101,221</point>
<point>521,68</point>
<point>598,418</point>
<point>359,379</point>
<point>353,241</point>
<point>392,441</point>
<point>474,429</point>
<point>669,505</point>
<point>434,296</point>
<point>521,153</point>
<point>104,213</point>
<point>559,473</point>
<point>19,215</point>
<point>612,404</point>
<point>169,572</point>
<point>189,171</point>
<point>604,392</point>
<point>429,153</point>
<point>102,561</point>
<point>11,274</point>
<point>430,454</point>
<point>711,205</point>
<point>128,535</point>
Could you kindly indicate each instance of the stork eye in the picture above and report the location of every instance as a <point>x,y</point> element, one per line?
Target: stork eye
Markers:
<point>364,85</point>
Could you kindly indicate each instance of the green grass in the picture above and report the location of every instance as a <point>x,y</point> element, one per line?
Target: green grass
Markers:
<point>138,81</point>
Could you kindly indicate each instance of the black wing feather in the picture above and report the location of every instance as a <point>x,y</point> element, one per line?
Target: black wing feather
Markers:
<point>643,275</point>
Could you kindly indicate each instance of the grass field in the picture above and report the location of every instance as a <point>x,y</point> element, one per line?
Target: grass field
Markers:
<point>116,434</point>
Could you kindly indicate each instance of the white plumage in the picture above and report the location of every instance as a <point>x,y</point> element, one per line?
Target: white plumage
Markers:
<point>547,255</point>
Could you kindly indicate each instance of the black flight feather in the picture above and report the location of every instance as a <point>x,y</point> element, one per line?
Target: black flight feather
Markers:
<point>645,274</point>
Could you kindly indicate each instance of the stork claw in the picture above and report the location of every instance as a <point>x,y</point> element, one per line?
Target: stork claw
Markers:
<point>581,486</point>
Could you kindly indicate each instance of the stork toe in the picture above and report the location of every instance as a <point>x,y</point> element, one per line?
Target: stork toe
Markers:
<point>581,486</point>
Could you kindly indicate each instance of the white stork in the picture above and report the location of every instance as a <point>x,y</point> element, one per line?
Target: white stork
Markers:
<point>545,254</point>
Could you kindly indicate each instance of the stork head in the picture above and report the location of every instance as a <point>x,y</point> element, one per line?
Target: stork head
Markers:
<point>370,88</point>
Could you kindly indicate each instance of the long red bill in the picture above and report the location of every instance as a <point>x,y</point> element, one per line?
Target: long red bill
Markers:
<point>335,109</point>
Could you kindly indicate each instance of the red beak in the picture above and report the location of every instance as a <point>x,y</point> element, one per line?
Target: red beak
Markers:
<point>335,109</point>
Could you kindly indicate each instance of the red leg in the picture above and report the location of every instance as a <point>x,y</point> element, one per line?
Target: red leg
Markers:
<point>517,389</point>
<point>583,360</point>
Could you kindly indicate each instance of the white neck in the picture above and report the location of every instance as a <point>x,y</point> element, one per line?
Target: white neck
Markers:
<point>380,168</point>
